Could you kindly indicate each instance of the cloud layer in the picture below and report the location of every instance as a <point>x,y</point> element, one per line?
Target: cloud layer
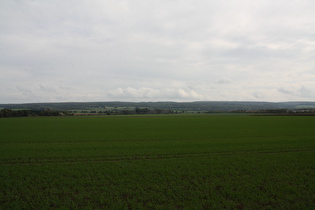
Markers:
<point>157,50</point>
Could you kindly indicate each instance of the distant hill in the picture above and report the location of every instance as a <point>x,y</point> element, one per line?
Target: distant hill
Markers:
<point>202,106</point>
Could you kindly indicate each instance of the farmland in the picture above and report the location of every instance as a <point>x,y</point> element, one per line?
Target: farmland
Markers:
<point>159,162</point>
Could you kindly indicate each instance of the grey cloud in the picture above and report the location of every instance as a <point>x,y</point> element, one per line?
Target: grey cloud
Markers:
<point>178,50</point>
<point>258,95</point>
<point>306,92</point>
<point>285,91</point>
<point>301,92</point>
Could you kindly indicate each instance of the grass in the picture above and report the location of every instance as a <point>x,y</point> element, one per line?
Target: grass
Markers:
<point>169,162</point>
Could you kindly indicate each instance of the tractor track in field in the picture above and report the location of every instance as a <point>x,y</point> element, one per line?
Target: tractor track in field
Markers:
<point>142,157</point>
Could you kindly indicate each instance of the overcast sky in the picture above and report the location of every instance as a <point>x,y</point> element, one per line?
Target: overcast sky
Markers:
<point>157,50</point>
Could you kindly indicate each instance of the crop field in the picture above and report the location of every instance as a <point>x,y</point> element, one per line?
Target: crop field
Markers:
<point>158,162</point>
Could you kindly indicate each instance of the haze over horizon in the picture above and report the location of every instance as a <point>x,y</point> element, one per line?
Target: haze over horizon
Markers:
<point>84,51</point>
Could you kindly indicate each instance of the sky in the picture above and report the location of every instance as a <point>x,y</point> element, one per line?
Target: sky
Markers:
<point>157,50</point>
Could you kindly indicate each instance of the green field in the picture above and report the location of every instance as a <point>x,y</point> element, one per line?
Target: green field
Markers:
<point>158,162</point>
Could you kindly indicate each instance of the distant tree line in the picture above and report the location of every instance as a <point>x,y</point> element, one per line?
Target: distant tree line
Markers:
<point>25,113</point>
<point>13,113</point>
<point>117,111</point>
<point>142,110</point>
